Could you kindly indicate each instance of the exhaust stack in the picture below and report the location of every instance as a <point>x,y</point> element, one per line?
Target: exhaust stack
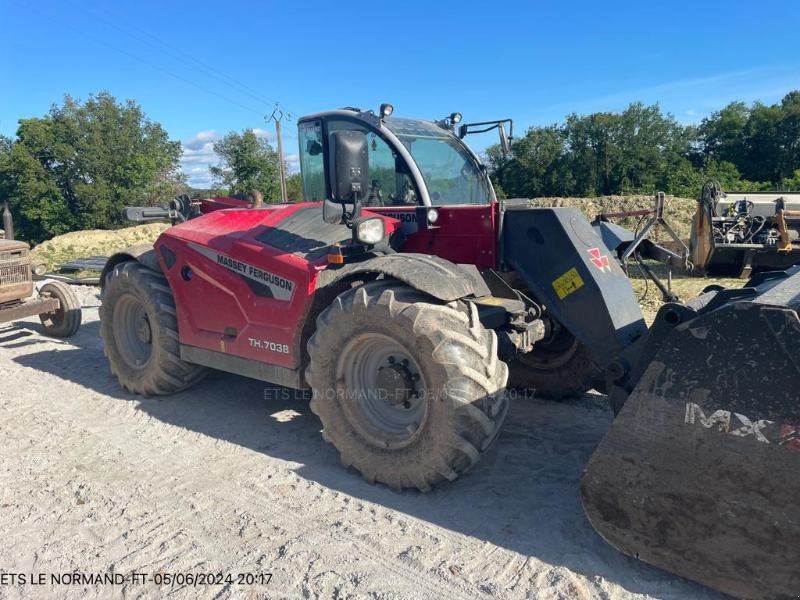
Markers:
<point>8,223</point>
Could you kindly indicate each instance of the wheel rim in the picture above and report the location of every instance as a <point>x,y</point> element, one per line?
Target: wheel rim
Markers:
<point>385,395</point>
<point>552,352</point>
<point>132,331</point>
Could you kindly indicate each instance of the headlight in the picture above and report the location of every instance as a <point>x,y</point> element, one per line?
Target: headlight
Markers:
<point>370,231</point>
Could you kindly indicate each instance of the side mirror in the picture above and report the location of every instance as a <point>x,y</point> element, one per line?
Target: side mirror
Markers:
<point>505,144</point>
<point>348,166</point>
<point>332,212</point>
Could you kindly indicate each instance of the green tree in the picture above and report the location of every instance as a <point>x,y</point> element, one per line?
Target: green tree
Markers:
<point>248,163</point>
<point>761,141</point>
<point>601,153</point>
<point>763,144</point>
<point>76,167</point>
<point>791,183</point>
<point>294,188</point>
<point>534,167</point>
<point>790,135</point>
<point>6,174</point>
<point>723,134</point>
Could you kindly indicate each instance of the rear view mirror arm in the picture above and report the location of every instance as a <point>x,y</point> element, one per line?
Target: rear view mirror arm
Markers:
<point>468,128</point>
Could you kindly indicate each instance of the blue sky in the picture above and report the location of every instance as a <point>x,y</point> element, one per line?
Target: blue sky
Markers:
<point>205,68</point>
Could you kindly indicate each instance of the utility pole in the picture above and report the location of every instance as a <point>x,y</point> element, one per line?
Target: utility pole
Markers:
<point>278,116</point>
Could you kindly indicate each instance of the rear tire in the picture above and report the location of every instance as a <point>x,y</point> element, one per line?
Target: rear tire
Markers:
<point>411,393</point>
<point>65,321</point>
<point>562,368</point>
<point>139,327</point>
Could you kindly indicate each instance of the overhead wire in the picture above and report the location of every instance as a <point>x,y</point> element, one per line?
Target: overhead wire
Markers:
<point>138,58</point>
<point>115,21</point>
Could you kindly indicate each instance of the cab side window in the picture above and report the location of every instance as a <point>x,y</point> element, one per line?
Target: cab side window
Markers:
<point>389,184</point>
<point>312,164</point>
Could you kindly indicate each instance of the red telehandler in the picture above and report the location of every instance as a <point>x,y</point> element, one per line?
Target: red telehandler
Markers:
<point>408,298</point>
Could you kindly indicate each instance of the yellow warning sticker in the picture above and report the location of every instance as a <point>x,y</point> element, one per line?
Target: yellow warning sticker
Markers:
<point>568,283</point>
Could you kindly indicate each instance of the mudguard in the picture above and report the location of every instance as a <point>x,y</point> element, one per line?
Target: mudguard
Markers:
<point>440,278</point>
<point>698,474</point>
<point>143,253</point>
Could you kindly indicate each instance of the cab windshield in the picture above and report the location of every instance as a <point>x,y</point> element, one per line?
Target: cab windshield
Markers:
<point>450,173</point>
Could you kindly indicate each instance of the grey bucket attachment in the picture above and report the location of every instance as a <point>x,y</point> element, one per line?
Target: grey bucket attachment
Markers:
<point>700,472</point>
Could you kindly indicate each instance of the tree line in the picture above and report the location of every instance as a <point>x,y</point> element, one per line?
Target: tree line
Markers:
<point>643,149</point>
<point>76,167</point>
<point>79,165</point>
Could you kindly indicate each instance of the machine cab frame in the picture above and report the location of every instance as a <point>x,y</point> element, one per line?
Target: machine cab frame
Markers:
<point>438,168</point>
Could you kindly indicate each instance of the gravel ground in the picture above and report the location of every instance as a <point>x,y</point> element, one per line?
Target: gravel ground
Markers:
<point>233,477</point>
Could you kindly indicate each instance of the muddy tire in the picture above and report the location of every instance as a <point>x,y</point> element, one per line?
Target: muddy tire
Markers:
<point>560,369</point>
<point>67,319</point>
<point>139,327</point>
<point>411,393</point>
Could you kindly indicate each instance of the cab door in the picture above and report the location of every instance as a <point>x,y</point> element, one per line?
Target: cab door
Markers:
<point>464,234</point>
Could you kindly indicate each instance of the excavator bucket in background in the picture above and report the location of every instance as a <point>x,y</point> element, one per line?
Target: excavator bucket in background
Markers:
<point>700,472</point>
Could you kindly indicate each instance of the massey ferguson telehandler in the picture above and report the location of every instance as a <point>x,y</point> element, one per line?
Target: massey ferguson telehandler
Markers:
<point>407,298</point>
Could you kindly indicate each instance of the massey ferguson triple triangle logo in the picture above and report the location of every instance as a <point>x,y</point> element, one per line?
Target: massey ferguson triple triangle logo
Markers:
<point>599,259</point>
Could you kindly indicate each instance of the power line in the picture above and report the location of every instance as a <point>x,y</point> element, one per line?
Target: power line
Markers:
<point>142,35</point>
<point>139,59</point>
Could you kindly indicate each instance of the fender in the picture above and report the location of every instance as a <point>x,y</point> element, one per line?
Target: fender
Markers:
<point>442,279</point>
<point>143,253</point>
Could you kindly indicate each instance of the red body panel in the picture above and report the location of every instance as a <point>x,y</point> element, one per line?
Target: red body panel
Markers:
<point>222,307</point>
<point>217,309</point>
<point>463,234</point>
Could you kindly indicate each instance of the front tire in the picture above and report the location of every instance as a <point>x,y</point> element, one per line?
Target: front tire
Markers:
<point>139,327</point>
<point>411,393</point>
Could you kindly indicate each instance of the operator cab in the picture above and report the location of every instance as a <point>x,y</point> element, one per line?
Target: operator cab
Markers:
<point>410,162</point>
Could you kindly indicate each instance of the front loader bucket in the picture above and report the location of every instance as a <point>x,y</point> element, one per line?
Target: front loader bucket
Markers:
<point>700,472</point>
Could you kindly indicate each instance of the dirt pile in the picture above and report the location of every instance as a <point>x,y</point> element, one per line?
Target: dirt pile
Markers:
<point>94,242</point>
<point>679,211</point>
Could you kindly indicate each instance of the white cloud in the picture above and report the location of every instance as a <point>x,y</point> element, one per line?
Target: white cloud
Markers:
<point>200,139</point>
<point>209,135</point>
<point>203,154</point>
<point>198,154</point>
<point>265,134</point>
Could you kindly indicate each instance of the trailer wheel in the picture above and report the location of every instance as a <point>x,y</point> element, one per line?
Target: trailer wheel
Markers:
<point>411,393</point>
<point>139,327</point>
<point>559,367</point>
<point>65,321</point>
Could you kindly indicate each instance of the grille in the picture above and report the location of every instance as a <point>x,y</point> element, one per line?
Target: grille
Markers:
<point>15,268</point>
